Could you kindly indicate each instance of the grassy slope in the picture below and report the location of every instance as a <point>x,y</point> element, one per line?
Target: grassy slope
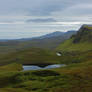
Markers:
<point>73,78</point>
<point>11,67</point>
<point>69,46</point>
<point>80,42</point>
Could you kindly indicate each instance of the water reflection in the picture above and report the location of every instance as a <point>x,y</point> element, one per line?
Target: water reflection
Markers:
<point>34,67</point>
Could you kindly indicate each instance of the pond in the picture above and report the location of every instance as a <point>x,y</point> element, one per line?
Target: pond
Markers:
<point>35,67</point>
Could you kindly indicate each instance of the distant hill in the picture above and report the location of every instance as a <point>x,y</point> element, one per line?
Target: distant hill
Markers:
<point>49,41</point>
<point>58,33</point>
<point>50,35</point>
<point>82,41</point>
<point>54,34</point>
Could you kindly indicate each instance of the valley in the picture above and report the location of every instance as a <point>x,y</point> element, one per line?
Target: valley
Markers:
<point>75,76</point>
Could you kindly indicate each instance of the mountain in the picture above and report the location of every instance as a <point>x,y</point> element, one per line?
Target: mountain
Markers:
<point>82,41</point>
<point>49,41</point>
<point>32,51</point>
<point>54,34</point>
<point>84,34</point>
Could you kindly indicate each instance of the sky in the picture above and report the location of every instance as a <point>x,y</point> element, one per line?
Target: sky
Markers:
<point>30,18</point>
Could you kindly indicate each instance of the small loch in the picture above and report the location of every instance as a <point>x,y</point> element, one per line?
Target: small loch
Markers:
<point>35,67</point>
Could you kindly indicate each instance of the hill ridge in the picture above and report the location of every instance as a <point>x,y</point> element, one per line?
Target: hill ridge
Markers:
<point>84,34</point>
<point>82,41</point>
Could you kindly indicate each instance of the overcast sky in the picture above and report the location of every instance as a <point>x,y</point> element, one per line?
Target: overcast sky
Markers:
<point>28,18</point>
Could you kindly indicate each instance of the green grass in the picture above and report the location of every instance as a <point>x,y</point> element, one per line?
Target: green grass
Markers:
<point>69,46</point>
<point>76,77</point>
<point>30,56</point>
<point>12,90</point>
<point>11,67</point>
<point>64,82</point>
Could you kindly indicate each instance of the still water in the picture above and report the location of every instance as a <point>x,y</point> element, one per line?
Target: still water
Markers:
<point>35,67</point>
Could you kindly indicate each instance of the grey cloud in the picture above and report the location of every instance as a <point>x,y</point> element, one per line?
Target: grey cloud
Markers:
<point>41,20</point>
<point>32,7</point>
<point>53,15</point>
<point>81,9</point>
<point>36,7</point>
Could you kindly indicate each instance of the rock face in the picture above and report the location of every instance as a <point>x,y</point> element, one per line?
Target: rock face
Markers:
<point>84,34</point>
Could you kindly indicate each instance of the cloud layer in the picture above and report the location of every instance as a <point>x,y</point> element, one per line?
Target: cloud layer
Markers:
<point>42,16</point>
